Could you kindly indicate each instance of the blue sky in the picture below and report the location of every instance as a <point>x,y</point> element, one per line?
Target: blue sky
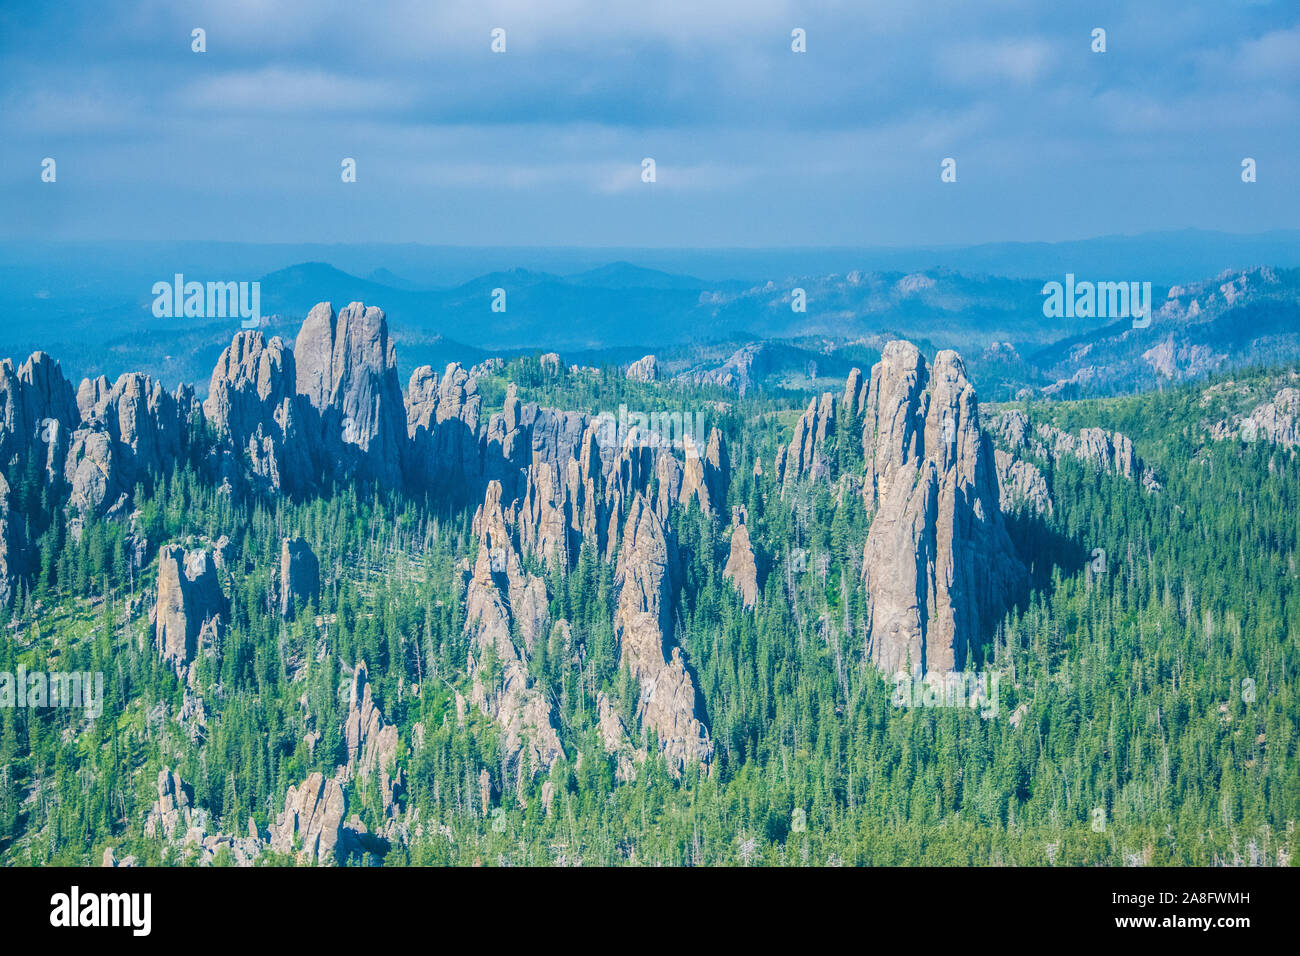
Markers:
<point>755,145</point>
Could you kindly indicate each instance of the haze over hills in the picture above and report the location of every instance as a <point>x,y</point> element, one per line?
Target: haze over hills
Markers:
<point>90,304</point>
<point>1167,257</point>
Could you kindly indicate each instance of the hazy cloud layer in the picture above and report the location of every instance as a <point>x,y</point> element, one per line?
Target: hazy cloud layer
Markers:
<point>754,144</point>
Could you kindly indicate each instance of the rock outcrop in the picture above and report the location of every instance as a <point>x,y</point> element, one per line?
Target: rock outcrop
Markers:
<point>501,596</point>
<point>1021,481</point>
<point>38,413</point>
<point>190,604</point>
<point>299,575</point>
<point>9,546</point>
<point>254,407</point>
<point>371,742</point>
<point>614,738</point>
<point>130,430</point>
<point>741,569</point>
<point>938,564</point>
<point>1276,422</point>
<point>741,371</point>
<point>171,811</point>
<point>312,821</point>
<point>642,625</point>
<point>806,456</point>
<point>347,369</point>
<point>1021,485</point>
<point>644,370</point>
<point>174,817</point>
<point>442,422</point>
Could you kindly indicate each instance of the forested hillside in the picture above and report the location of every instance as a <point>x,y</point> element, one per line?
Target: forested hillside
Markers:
<point>1123,578</point>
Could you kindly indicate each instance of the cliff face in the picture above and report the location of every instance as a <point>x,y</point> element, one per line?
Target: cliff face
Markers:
<point>805,456</point>
<point>501,597</point>
<point>643,623</point>
<point>254,406</point>
<point>371,742</point>
<point>938,564</point>
<point>299,575</point>
<point>130,430</point>
<point>38,413</point>
<point>741,569</point>
<point>1022,483</point>
<point>312,821</point>
<point>190,603</point>
<point>347,369</point>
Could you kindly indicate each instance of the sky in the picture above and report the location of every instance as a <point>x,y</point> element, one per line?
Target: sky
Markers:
<point>754,145</point>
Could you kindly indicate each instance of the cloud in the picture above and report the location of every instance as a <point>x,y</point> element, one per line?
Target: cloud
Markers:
<point>980,62</point>
<point>754,143</point>
<point>302,91</point>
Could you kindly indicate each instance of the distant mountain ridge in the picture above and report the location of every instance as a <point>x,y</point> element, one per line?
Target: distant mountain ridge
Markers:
<point>619,310</point>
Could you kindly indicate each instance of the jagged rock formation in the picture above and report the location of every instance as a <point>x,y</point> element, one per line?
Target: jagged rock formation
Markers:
<point>190,606</point>
<point>38,412</point>
<point>1276,422</point>
<point>7,545</point>
<point>805,455</point>
<point>442,422</point>
<point>741,570</point>
<point>938,561</point>
<point>694,484</point>
<point>172,808</point>
<point>372,743</point>
<point>498,596</point>
<point>174,816</point>
<point>129,431</point>
<point>1021,485</point>
<point>299,575</point>
<point>740,371</point>
<point>1109,452</point>
<point>614,738</point>
<point>853,401</point>
<point>642,623</point>
<point>312,821</point>
<point>717,468</point>
<point>223,551</point>
<point>347,369</point>
<point>580,488</point>
<point>644,370</point>
<point>254,407</point>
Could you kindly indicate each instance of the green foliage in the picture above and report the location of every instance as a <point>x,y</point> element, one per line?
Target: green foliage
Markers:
<point>1127,686</point>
